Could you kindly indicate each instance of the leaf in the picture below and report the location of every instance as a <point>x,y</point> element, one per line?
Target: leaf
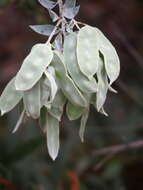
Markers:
<point>43,29</point>
<point>53,136</point>
<point>111,59</point>
<point>10,97</point>
<point>70,59</point>
<point>73,112</point>
<point>70,13</point>
<point>70,3</point>
<point>50,74</point>
<point>33,67</point>
<point>19,122</point>
<point>87,51</point>
<point>53,16</point>
<point>47,4</point>
<point>32,101</point>
<point>67,85</point>
<point>83,124</point>
<point>102,86</point>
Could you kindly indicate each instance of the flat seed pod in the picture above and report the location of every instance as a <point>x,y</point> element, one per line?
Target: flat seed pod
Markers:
<point>58,105</point>
<point>68,87</point>
<point>45,92</point>
<point>56,113</point>
<point>102,86</point>
<point>74,112</point>
<point>33,67</point>
<point>83,124</point>
<point>111,59</point>
<point>43,119</point>
<point>10,97</point>
<point>32,101</point>
<point>19,122</point>
<point>50,74</point>
<point>87,51</point>
<point>103,112</point>
<point>70,59</point>
<point>53,136</point>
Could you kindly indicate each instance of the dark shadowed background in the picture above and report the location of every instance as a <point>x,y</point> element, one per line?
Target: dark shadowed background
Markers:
<point>24,160</point>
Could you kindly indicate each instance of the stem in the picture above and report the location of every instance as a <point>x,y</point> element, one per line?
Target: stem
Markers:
<point>54,30</point>
<point>61,8</point>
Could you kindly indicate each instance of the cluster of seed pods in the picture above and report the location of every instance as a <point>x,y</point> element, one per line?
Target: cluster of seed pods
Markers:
<point>50,80</point>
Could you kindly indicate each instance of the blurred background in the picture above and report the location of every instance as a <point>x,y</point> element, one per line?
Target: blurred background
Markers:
<point>24,160</point>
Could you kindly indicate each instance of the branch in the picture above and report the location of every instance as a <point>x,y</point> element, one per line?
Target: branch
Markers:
<point>61,8</point>
<point>119,148</point>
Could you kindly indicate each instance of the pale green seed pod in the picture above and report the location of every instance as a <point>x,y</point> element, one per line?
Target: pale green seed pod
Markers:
<point>50,74</point>
<point>67,85</point>
<point>70,60</point>
<point>32,101</point>
<point>52,131</point>
<point>10,97</point>
<point>74,112</point>
<point>83,122</point>
<point>87,51</point>
<point>33,67</point>
<point>102,86</point>
<point>111,59</point>
<point>56,109</point>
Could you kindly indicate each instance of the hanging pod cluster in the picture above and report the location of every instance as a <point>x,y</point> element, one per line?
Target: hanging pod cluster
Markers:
<point>73,72</point>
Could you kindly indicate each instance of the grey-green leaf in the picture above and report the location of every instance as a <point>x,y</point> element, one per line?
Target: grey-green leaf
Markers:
<point>111,59</point>
<point>87,51</point>
<point>10,97</point>
<point>53,16</point>
<point>53,136</point>
<point>83,124</point>
<point>33,66</point>
<point>45,30</point>
<point>70,13</point>
<point>68,87</point>
<point>32,101</point>
<point>48,4</point>
<point>70,3</point>
<point>70,59</point>
<point>74,112</point>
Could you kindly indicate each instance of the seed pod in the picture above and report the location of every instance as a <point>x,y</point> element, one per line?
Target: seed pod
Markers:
<point>70,59</point>
<point>32,101</point>
<point>56,109</point>
<point>67,85</point>
<point>45,92</point>
<point>52,136</point>
<point>10,97</point>
<point>19,122</point>
<point>83,123</point>
<point>33,67</point>
<point>50,74</point>
<point>102,86</point>
<point>74,112</point>
<point>87,51</point>
<point>111,59</point>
